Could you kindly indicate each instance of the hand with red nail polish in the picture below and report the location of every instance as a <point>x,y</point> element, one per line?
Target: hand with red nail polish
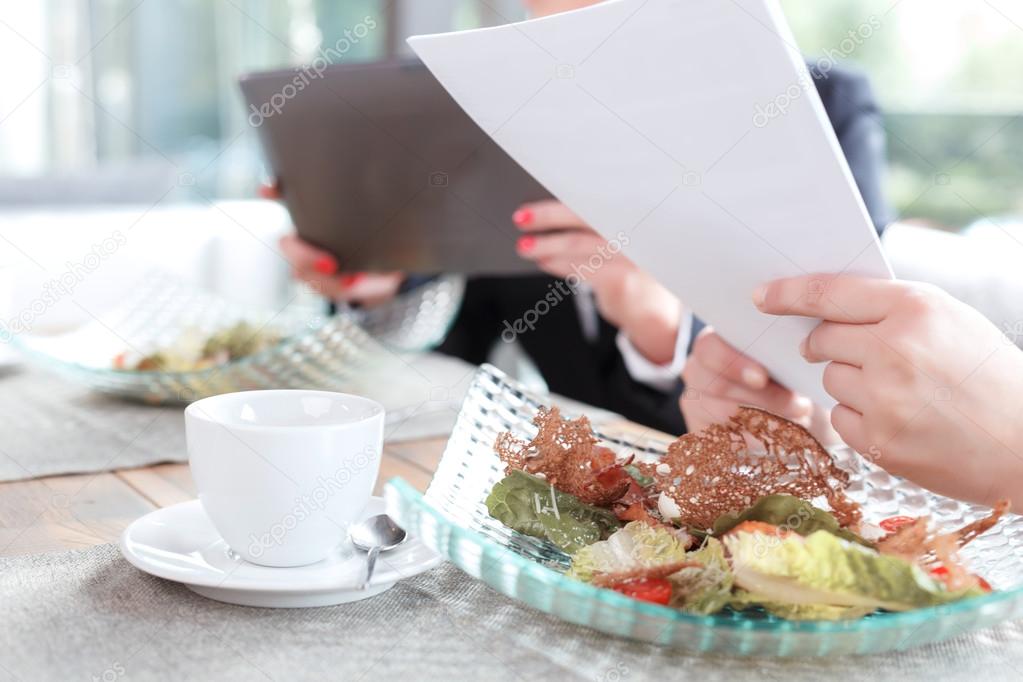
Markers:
<point>320,270</point>
<point>563,245</point>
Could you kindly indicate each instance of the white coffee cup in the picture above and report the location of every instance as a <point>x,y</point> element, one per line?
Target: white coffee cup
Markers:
<point>281,474</point>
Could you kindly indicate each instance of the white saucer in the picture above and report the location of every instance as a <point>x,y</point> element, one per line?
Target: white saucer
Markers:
<point>179,543</point>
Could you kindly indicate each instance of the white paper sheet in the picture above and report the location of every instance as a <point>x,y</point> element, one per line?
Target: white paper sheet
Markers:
<point>690,130</point>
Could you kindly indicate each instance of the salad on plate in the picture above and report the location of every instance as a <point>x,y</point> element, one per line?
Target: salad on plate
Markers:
<point>750,514</point>
<point>194,351</point>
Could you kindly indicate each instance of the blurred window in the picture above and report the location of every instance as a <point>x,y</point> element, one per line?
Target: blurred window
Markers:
<point>122,92</point>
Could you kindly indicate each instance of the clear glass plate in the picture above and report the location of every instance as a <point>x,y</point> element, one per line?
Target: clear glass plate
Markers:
<point>316,351</point>
<point>452,519</point>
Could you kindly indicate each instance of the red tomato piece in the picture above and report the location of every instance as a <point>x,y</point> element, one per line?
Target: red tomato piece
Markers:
<point>653,590</point>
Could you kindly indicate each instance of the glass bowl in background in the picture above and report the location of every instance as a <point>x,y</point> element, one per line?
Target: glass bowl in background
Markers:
<point>315,351</point>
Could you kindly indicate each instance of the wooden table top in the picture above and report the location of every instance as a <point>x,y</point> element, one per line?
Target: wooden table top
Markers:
<point>74,512</point>
<point>78,511</point>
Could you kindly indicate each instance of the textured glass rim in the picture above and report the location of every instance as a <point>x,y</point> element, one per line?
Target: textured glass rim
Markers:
<point>346,317</point>
<point>556,580</point>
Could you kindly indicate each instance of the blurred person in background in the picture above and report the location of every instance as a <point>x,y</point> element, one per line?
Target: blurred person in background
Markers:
<point>622,342</point>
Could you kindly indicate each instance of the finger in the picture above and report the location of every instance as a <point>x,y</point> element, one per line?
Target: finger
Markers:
<point>369,287</point>
<point>324,285</point>
<point>837,342</point>
<point>850,426</point>
<point>700,411</point>
<point>773,397</point>
<point>574,245</point>
<point>845,384</point>
<point>547,215</point>
<point>556,267</point>
<point>304,257</point>
<point>360,287</point>
<point>723,359</point>
<point>857,300</point>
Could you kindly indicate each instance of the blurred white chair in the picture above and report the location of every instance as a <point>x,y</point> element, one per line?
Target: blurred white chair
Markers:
<point>982,266</point>
<point>229,248</point>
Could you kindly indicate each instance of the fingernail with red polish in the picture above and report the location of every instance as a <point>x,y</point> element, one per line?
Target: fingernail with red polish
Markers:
<point>352,279</point>
<point>526,244</point>
<point>522,217</point>
<point>325,265</point>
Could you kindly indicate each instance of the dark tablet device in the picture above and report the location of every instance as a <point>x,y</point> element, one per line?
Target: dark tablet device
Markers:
<point>380,166</point>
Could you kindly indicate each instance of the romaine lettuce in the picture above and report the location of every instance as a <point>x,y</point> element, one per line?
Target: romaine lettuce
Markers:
<point>790,513</point>
<point>637,545</point>
<point>705,588</point>
<point>787,573</point>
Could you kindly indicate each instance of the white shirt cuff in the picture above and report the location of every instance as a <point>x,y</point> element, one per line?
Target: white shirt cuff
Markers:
<point>660,377</point>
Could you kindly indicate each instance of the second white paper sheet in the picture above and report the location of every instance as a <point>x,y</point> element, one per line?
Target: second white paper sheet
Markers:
<point>691,133</point>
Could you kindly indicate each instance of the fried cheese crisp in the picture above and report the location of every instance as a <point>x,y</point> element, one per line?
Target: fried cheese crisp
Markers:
<point>567,454</point>
<point>715,472</point>
<point>917,543</point>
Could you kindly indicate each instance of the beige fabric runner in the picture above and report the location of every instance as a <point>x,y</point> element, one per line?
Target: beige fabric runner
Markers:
<point>90,615</point>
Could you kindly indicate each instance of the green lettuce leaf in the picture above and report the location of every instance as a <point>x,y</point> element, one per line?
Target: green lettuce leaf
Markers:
<point>786,573</point>
<point>532,506</point>
<point>792,513</point>
<point>743,600</point>
<point>703,589</point>
<point>637,545</point>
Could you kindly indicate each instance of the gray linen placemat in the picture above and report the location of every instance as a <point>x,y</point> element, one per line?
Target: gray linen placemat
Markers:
<point>90,614</point>
<point>52,426</point>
